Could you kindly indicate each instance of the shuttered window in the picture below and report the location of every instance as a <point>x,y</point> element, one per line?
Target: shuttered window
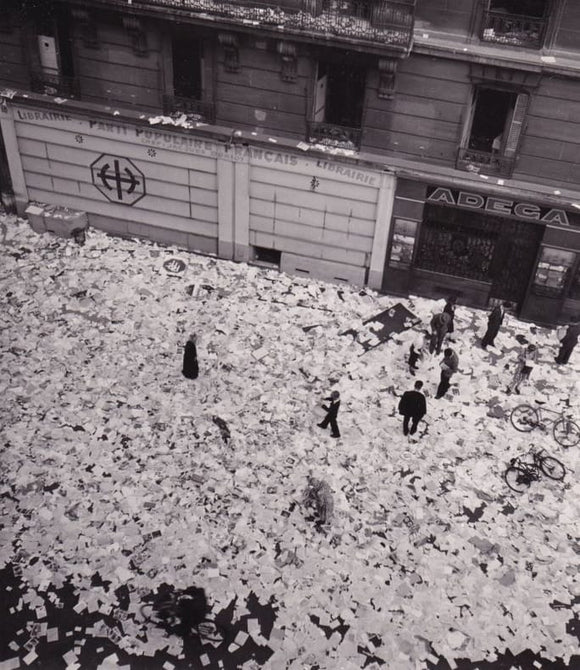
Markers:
<point>514,131</point>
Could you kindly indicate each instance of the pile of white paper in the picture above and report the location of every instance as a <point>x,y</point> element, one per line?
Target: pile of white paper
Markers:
<point>114,463</point>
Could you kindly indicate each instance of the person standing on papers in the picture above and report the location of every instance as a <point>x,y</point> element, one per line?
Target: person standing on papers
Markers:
<point>494,321</point>
<point>413,407</point>
<point>331,414</point>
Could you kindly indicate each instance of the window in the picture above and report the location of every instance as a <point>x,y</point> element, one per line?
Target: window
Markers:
<point>338,104</point>
<point>516,22</point>
<point>186,67</point>
<point>186,92</point>
<point>267,256</point>
<point>493,130</point>
<point>403,244</point>
<point>552,271</point>
<point>53,70</point>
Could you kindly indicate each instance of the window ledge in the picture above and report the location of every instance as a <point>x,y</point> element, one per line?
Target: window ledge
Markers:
<point>458,48</point>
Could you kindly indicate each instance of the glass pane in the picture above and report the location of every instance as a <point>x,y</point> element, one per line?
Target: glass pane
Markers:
<point>553,268</point>
<point>404,235</point>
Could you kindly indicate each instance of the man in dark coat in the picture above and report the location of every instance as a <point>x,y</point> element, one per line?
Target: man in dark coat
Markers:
<point>190,365</point>
<point>568,342</point>
<point>494,321</point>
<point>413,407</point>
<point>439,328</point>
<point>448,366</point>
<point>331,414</point>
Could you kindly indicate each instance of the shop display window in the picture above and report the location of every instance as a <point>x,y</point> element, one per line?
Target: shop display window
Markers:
<point>552,271</point>
<point>404,236</point>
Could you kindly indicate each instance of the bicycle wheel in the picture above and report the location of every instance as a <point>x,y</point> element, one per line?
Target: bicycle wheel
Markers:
<point>566,433</point>
<point>552,468</point>
<point>524,418</point>
<point>211,631</point>
<point>517,479</point>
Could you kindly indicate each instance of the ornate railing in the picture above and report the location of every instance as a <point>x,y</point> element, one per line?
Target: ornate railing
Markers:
<point>175,104</point>
<point>54,84</point>
<point>331,135</point>
<point>513,29</point>
<point>384,21</point>
<point>483,161</point>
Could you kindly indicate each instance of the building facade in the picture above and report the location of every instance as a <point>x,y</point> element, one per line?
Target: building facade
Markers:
<point>425,147</point>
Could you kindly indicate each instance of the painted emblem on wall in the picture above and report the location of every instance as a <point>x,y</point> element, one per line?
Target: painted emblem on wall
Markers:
<point>118,179</point>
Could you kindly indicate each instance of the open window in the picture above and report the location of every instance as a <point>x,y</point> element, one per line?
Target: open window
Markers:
<point>267,257</point>
<point>186,85</point>
<point>493,130</point>
<point>52,61</point>
<point>338,104</point>
<point>187,67</point>
<point>516,22</point>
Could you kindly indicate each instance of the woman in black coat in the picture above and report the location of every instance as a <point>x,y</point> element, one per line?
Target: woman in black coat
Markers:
<point>190,366</point>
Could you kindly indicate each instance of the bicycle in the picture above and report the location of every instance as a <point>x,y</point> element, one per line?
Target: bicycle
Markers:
<point>166,612</point>
<point>525,418</point>
<point>521,473</point>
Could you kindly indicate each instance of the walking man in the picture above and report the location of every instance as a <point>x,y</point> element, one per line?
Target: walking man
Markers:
<point>568,342</point>
<point>413,407</point>
<point>331,414</point>
<point>494,321</point>
<point>448,366</point>
<point>439,328</point>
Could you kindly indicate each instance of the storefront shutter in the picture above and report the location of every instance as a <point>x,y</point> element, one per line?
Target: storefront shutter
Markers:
<point>516,125</point>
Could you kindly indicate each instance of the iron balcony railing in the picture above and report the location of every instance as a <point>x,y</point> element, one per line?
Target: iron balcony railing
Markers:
<point>483,161</point>
<point>198,108</point>
<point>513,29</point>
<point>331,135</point>
<point>54,84</point>
<point>387,22</point>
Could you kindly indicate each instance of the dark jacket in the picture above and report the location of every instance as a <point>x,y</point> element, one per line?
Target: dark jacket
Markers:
<point>572,334</point>
<point>440,322</point>
<point>332,409</point>
<point>190,365</point>
<point>495,318</point>
<point>413,403</point>
<point>449,364</point>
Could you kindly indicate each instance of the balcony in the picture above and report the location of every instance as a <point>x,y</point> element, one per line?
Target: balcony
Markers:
<point>200,110</point>
<point>54,84</point>
<point>331,135</point>
<point>513,29</point>
<point>472,160</point>
<point>378,22</point>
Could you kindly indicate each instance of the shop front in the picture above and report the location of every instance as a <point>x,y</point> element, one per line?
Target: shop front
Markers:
<point>483,248</point>
<point>267,203</point>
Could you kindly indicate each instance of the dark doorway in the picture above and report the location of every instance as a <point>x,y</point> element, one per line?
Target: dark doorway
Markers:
<point>64,41</point>
<point>476,246</point>
<point>344,93</point>
<point>187,81</point>
<point>493,111</point>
